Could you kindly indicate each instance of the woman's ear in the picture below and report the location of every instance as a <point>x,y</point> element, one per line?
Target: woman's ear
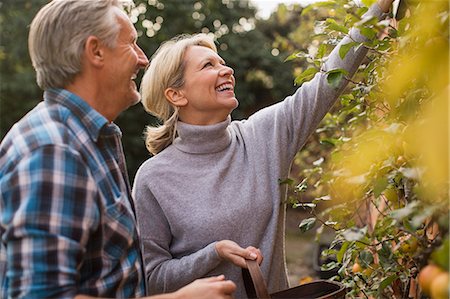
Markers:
<point>93,51</point>
<point>175,97</point>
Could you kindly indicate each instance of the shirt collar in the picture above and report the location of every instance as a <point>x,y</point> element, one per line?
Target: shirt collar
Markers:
<point>93,121</point>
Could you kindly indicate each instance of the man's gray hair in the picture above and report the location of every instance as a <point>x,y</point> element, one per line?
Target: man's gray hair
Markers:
<point>58,35</point>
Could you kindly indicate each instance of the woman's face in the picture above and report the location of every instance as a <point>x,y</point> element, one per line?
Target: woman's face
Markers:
<point>208,88</point>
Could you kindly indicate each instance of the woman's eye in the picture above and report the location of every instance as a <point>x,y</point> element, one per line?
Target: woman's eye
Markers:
<point>207,64</point>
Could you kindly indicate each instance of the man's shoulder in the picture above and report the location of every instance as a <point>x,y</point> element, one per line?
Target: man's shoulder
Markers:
<point>45,125</point>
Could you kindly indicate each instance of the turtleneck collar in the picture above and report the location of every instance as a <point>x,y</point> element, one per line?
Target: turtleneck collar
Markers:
<point>197,139</point>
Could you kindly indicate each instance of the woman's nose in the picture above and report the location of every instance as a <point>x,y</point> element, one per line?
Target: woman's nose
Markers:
<point>226,71</point>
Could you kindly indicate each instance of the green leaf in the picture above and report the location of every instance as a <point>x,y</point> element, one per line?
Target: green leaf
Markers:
<point>362,10</point>
<point>347,99</point>
<point>343,50</point>
<point>302,186</point>
<point>331,24</point>
<point>286,181</point>
<point>366,257</point>
<point>307,224</point>
<point>383,45</point>
<point>387,282</point>
<point>441,255</point>
<point>385,255</point>
<point>305,76</point>
<point>341,252</point>
<point>330,266</point>
<point>330,141</point>
<point>368,32</point>
<point>379,186</point>
<point>296,55</point>
<point>335,77</point>
<point>408,226</point>
<point>322,51</point>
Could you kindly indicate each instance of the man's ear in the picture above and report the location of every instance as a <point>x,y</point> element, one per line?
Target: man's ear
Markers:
<point>176,97</point>
<point>94,51</point>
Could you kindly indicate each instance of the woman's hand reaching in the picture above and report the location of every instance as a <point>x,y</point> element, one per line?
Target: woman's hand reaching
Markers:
<point>232,252</point>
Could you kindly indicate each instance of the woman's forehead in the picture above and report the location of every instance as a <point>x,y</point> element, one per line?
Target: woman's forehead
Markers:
<point>200,53</point>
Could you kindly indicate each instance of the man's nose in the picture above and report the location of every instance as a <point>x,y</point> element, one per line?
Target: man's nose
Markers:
<point>142,58</point>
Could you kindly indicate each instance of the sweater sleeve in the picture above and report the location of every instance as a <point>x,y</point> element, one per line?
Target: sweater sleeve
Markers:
<point>293,120</point>
<point>164,272</point>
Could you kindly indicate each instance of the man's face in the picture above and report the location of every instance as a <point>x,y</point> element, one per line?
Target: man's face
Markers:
<point>122,65</point>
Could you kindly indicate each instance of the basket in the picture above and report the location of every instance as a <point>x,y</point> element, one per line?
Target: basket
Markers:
<point>319,289</point>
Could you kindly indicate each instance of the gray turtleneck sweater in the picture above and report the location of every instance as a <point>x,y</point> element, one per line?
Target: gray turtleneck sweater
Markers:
<point>220,182</point>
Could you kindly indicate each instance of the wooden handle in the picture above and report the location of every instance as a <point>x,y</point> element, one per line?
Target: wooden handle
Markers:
<point>258,280</point>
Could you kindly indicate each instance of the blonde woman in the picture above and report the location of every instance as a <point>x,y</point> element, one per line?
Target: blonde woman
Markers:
<point>210,198</point>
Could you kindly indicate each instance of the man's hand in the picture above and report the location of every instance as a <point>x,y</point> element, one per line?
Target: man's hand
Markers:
<point>207,288</point>
<point>230,251</point>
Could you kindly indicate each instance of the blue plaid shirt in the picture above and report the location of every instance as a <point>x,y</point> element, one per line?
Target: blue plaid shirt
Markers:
<point>67,224</point>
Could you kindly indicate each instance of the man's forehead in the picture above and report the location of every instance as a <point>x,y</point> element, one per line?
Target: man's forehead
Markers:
<point>125,24</point>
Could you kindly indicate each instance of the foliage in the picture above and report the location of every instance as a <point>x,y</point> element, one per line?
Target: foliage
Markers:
<point>381,182</point>
<point>18,90</point>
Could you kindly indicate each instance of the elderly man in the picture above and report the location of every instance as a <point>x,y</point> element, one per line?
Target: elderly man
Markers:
<point>67,222</point>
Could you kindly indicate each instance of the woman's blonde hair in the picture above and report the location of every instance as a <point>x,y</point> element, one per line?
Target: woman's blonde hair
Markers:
<point>58,34</point>
<point>166,70</point>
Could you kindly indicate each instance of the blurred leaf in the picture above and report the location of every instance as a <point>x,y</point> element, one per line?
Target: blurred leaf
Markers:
<point>354,234</point>
<point>305,205</point>
<point>316,5</point>
<point>385,255</point>
<point>318,161</point>
<point>333,25</point>
<point>379,186</point>
<point>322,51</point>
<point>287,181</point>
<point>302,186</point>
<point>419,219</point>
<point>366,257</point>
<point>330,141</point>
<point>324,198</point>
<point>307,224</point>
<point>441,255</point>
<point>368,3</point>
<point>407,211</point>
<point>387,282</point>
